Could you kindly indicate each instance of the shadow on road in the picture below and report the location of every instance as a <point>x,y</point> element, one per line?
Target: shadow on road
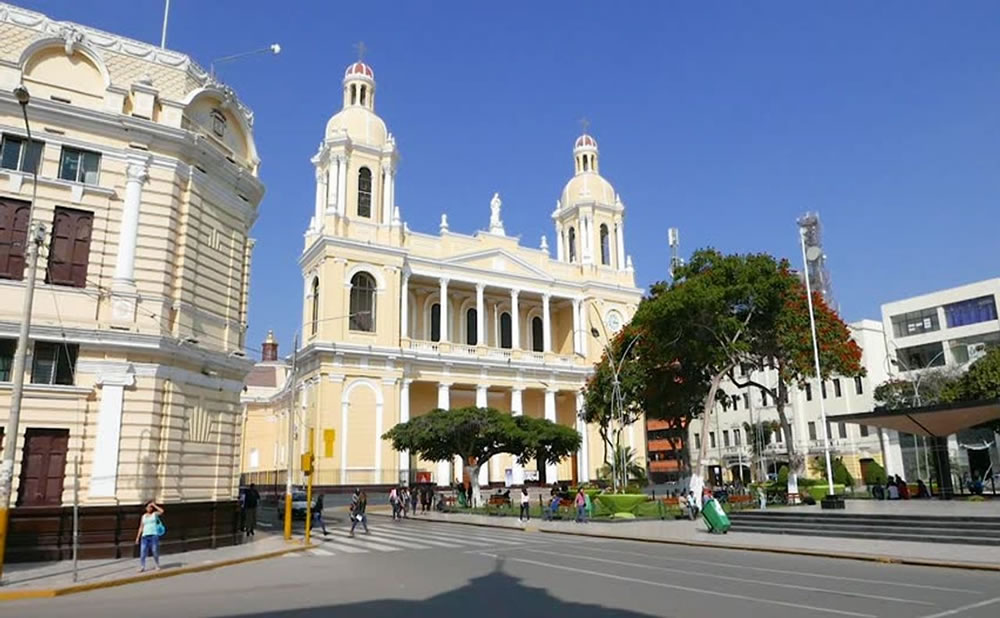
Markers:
<point>494,595</point>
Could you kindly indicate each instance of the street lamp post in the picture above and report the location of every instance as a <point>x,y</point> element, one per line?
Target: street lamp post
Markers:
<point>616,401</point>
<point>273,48</point>
<point>34,241</point>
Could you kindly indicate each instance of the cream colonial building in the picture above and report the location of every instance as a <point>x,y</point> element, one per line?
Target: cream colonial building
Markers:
<point>147,188</point>
<point>396,323</point>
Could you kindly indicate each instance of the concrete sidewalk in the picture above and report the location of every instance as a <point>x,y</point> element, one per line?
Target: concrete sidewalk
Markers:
<point>48,579</point>
<point>694,533</point>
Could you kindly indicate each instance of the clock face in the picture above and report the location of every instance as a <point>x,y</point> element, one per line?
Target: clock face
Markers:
<point>613,321</point>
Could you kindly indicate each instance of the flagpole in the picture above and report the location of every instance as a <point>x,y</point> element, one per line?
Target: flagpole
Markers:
<point>166,14</point>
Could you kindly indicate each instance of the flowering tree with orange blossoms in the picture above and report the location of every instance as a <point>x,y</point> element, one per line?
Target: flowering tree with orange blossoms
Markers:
<point>783,341</point>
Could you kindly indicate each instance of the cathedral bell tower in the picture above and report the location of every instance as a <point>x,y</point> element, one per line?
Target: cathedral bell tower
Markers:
<point>355,164</point>
<point>589,216</point>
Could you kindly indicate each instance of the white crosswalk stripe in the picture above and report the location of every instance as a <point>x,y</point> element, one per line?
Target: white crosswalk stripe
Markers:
<point>399,536</point>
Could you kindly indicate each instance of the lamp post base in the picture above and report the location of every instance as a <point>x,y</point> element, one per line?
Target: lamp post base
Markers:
<point>832,501</point>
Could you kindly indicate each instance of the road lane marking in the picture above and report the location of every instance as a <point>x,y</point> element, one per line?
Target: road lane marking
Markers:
<point>712,593</point>
<point>357,542</point>
<point>730,578</point>
<point>414,538</point>
<point>505,540</point>
<point>959,610</point>
<point>786,572</point>
<point>320,552</point>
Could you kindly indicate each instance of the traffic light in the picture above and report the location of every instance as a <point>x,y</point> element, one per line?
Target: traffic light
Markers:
<point>307,463</point>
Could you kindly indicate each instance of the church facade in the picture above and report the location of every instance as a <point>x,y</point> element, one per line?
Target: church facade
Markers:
<point>396,323</point>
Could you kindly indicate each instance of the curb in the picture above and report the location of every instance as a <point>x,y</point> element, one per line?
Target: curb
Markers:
<point>968,566</point>
<point>48,593</point>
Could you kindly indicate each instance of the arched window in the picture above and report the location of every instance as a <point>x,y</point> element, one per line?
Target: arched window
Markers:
<point>354,94</point>
<point>586,164</point>
<point>471,332</point>
<point>572,245</point>
<point>315,305</point>
<point>506,335</point>
<point>362,316</point>
<point>436,322</point>
<point>365,193</point>
<point>537,334</point>
<point>605,246</point>
<point>363,89</point>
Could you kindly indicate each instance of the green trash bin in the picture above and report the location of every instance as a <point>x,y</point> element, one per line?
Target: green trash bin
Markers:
<point>715,518</point>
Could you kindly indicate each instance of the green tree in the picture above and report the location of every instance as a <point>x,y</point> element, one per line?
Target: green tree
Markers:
<point>921,387</point>
<point>545,442</point>
<point>697,329</point>
<point>474,434</point>
<point>981,381</point>
<point>599,405</point>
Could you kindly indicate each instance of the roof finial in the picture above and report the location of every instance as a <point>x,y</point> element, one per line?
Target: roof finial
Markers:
<point>496,224</point>
<point>585,124</point>
<point>362,48</point>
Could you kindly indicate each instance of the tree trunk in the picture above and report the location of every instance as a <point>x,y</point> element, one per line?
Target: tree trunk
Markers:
<point>474,480</point>
<point>794,462</point>
<point>705,417</point>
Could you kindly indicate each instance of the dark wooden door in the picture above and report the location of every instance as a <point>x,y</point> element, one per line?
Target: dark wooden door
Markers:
<point>43,467</point>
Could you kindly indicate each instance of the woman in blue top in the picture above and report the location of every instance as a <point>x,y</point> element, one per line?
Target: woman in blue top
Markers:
<point>149,535</point>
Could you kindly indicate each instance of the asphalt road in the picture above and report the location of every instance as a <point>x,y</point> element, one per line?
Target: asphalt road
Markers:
<point>434,569</point>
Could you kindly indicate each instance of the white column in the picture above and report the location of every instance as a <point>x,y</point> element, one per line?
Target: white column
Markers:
<point>576,326</point>
<point>516,409</point>
<point>392,194</point>
<point>546,325</point>
<point>584,332</point>
<point>620,243</point>
<point>444,403</point>
<point>404,416</point>
<point>482,401</point>
<point>550,415</point>
<point>515,321</point>
<point>480,328</point>
<point>583,458</point>
<point>342,185</point>
<point>319,210</point>
<point>443,301</point>
<point>386,215</point>
<point>333,184</point>
<point>379,414</point>
<point>404,306</point>
<point>104,471</point>
<point>559,243</point>
<point>136,175</point>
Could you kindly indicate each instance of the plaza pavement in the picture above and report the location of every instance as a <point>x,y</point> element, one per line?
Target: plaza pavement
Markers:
<point>436,569</point>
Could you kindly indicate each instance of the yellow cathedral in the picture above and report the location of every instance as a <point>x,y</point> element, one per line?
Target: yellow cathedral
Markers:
<point>396,323</point>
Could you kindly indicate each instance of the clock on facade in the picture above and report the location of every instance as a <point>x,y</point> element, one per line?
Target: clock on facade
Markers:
<point>613,320</point>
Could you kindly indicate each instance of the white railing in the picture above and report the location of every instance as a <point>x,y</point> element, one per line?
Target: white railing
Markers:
<point>430,346</point>
<point>498,353</point>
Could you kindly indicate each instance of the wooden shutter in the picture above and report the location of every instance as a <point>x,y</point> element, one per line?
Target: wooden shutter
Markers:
<point>13,237</point>
<point>43,467</point>
<point>70,251</point>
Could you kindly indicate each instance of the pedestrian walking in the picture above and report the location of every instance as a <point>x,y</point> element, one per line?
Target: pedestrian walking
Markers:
<point>525,514</point>
<point>148,535</point>
<point>428,497</point>
<point>414,498</point>
<point>394,503</point>
<point>317,515</point>
<point>581,506</point>
<point>359,503</point>
<point>404,501</point>
<point>250,501</point>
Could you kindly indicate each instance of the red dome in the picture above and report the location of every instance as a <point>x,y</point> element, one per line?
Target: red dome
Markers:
<point>360,69</point>
<point>585,141</point>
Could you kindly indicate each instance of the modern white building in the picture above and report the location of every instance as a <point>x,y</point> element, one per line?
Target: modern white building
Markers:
<point>730,446</point>
<point>945,329</point>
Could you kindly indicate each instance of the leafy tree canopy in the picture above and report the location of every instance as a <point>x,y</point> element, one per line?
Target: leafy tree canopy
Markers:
<point>544,440</point>
<point>474,434</point>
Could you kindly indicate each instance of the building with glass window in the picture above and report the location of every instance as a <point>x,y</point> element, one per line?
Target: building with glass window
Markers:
<point>945,330</point>
<point>745,434</point>
<point>147,187</point>
<point>396,323</point>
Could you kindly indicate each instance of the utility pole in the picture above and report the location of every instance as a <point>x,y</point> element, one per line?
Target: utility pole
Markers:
<point>291,442</point>
<point>36,234</point>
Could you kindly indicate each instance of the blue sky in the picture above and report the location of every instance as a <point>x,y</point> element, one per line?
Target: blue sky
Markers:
<point>724,119</point>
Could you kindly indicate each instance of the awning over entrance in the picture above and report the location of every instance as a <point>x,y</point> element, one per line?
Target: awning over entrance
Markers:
<point>938,420</point>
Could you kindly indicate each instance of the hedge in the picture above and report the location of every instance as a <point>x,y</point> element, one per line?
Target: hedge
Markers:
<point>618,503</point>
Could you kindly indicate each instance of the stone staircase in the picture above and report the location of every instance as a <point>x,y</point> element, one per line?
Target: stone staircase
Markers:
<point>918,528</point>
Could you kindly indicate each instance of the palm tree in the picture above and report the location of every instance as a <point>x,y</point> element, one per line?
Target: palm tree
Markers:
<point>625,460</point>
